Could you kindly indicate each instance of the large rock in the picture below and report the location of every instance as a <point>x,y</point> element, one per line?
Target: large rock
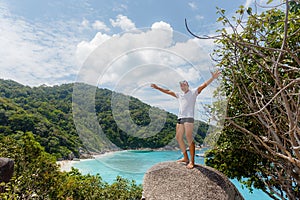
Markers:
<point>6,169</point>
<point>172,180</point>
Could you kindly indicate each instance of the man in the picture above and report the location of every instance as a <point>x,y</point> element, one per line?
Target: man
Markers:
<point>185,123</point>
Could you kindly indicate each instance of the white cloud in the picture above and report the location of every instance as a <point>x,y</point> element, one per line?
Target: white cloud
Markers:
<point>85,23</point>
<point>36,53</point>
<point>130,61</point>
<point>161,25</point>
<point>193,5</point>
<point>98,25</point>
<point>123,22</point>
<point>120,7</point>
<point>84,48</point>
<point>199,17</point>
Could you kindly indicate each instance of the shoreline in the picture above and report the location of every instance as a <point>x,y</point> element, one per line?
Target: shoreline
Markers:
<point>66,165</point>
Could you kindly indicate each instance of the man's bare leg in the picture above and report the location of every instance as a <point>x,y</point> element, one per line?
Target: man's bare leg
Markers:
<point>179,138</point>
<point>189,136</point>
<point>192,152</point>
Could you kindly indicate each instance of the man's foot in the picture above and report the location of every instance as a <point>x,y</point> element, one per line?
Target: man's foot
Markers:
<point>183,160</point>
<point>190,165</point>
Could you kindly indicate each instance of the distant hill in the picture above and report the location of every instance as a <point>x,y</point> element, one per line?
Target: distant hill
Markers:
<point>47,113</point>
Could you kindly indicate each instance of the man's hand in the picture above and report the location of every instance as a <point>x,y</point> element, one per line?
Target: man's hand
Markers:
<point>215,74</point>
<point>154,86</point>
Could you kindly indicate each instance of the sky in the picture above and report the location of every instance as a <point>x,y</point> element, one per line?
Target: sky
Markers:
<point>122,45</point>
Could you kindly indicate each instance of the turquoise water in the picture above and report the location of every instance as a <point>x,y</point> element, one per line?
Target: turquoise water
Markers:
<point>133,165</point>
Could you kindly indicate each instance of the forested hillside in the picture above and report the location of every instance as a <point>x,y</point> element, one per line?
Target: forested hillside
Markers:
<point>47,113</point>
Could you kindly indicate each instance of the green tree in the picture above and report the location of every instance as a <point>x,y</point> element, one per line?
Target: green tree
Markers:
<point>261,76</point>
<point>37,176</point>
<point>35,171</point>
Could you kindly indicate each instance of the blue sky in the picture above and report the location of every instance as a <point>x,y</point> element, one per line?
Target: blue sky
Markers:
<point>103,42</point>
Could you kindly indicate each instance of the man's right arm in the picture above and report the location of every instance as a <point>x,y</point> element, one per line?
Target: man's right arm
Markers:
<point>166,91</point>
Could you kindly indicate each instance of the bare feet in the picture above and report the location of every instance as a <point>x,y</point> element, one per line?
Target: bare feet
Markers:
<point>190,165</point>
<point>183,160</point>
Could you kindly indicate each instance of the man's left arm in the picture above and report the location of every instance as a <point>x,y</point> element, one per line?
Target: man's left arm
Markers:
<point>206,83</point>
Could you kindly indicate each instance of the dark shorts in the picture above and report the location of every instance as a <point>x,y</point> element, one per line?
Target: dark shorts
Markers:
<point>183,120</point>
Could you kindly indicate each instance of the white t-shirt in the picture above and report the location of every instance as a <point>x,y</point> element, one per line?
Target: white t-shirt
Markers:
<point>187,103</point>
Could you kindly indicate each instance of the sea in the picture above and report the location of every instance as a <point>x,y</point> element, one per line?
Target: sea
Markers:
<point>133,164</point>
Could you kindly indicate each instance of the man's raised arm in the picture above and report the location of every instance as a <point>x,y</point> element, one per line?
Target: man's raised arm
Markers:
<point>214,75</point>
<point>166,91</point>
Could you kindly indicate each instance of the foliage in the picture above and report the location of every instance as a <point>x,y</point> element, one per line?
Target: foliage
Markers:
<point>261,75</point>
<point>44,111</point>
<point>37,176</point>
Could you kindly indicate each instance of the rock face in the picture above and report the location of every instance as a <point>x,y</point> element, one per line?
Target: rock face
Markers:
<point>6,169</point>
<point>172,180</point>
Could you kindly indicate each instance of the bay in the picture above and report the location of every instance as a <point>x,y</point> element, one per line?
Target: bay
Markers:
<point>133,164</point>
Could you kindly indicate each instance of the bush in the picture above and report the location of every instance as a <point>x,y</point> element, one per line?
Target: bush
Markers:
<point>37,176</point>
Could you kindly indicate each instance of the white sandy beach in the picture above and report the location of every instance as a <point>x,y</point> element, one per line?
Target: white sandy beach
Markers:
<point>66,165</point>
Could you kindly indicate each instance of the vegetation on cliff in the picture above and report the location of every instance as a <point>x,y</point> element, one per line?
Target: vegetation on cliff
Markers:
<point>47,113</point>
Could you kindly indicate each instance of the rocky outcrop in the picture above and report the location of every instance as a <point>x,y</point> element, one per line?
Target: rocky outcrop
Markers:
<point>6,169</point>
<point>172,180</point>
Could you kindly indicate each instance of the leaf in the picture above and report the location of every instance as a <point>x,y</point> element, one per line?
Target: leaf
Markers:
<point>249,11</point>
<point>220,19</point>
